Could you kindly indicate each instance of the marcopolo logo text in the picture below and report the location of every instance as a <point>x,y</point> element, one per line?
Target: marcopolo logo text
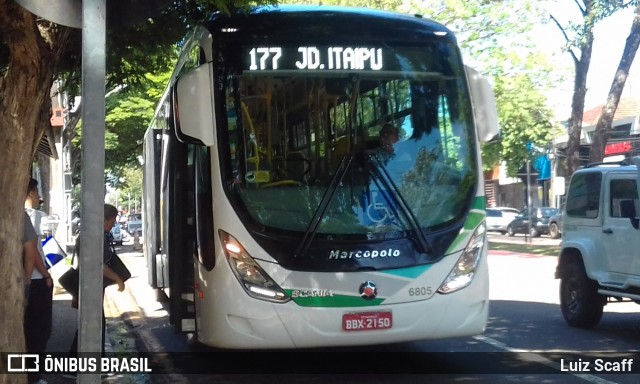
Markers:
<point>336,254</point>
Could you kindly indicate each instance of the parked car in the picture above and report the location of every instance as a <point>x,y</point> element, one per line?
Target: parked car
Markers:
<point>498,218</point>
<point>539,221</point>
<point>134,224</point>
<point>555,226</point>
<point>116,233</point>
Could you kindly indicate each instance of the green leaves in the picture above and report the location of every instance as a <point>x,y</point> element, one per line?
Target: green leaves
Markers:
<point>496,38</point>
<point>129,113</point>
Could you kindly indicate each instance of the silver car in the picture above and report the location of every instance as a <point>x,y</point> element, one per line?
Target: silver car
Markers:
<point>498,218</point>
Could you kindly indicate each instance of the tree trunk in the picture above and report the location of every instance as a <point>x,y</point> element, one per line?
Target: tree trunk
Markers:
<point>579,91</point>
<point>603,127</point>
<point>24,99</point>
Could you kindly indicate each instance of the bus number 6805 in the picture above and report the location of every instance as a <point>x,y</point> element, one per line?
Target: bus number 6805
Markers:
<point>420,291</point>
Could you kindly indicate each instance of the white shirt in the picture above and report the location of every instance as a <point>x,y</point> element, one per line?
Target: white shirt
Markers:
<point>36,220</point>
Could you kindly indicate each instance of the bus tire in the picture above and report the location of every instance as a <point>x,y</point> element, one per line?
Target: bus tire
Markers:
<point>580,302</point>
<point>194,344</point>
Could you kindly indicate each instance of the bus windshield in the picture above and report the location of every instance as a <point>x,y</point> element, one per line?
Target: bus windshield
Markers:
<point>347,142</point>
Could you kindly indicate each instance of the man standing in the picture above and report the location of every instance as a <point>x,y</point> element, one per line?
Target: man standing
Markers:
<point>39,310</point>
<point>110,216</point>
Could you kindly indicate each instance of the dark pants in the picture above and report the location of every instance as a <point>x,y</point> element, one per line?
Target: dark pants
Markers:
<point>37,318</point>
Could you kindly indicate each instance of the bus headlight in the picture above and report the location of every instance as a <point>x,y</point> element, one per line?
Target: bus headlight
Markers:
<point>251,276</point>
<point>462,274</point>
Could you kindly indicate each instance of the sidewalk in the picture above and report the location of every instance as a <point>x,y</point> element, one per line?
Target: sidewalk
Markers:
<point>523,239</point>
<point>123,315</point>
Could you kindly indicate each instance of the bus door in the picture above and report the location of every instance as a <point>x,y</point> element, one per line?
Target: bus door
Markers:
<point>151,218</point>
<point>178,239</point>
<point>204,241</point>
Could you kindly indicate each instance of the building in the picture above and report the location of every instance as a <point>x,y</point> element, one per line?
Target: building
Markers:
<point>624,138</point>
<point>52,169</point>
<point>623,142</point>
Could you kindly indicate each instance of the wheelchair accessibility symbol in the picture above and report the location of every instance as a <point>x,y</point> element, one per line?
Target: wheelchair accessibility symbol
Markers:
<point>377,210</point>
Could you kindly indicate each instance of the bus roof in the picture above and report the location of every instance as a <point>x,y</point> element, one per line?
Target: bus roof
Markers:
<point>291,22</point>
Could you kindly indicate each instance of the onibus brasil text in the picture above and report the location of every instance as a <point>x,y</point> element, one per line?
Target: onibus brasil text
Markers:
<point>52,364</point>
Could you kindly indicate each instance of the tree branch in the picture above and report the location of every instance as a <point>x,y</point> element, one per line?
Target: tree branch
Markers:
<point>581,7</point>
<point>566,37</point>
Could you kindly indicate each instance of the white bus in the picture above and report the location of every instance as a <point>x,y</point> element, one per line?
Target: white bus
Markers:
<point>274,215</point>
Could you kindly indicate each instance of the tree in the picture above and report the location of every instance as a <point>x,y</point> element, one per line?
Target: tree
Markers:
<point>603,127</point>
<point>34,52</point>
<point>579,39</point>
<point>495,38</point>
<point>129,193</point>
<point>128,114</point>
<point>522,123</point>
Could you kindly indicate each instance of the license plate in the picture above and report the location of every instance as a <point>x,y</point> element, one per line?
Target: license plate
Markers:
<point>365,321</point>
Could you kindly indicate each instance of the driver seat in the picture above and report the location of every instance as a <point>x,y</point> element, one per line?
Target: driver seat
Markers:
<point>297,166</point>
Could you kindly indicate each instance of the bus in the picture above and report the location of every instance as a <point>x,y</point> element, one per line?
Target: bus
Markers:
<point>275,216</point>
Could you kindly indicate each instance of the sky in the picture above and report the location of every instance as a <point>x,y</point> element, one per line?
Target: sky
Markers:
<point>609,38</point>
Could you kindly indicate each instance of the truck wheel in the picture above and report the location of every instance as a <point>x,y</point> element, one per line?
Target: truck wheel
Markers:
<point>554,231</point>
<point>580,302</point>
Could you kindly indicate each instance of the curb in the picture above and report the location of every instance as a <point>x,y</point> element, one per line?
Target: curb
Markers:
<point>123,315</point>
<point>123,306</point>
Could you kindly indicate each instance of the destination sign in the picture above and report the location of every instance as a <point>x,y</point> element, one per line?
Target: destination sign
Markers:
<point>314,58</point>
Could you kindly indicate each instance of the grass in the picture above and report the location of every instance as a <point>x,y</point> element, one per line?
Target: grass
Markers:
<point>546,250</point>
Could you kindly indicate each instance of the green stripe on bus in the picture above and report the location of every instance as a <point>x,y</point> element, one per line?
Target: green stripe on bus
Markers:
<point>479,203</point>
<point>335,301</point>
<point>475,217</point>
<point>411,272</point>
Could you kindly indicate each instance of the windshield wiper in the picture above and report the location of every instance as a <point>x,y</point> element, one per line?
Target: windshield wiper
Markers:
<point>312,228</point>
<point>380,171</point>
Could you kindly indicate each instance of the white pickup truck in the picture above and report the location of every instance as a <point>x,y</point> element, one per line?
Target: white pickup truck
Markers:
<point>599,261</point>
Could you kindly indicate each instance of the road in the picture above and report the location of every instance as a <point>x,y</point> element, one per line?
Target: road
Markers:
<point>526,340</point>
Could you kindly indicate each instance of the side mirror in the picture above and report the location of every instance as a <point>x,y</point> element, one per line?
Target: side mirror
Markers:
<point>484,106</point>
<point>193,96</point>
